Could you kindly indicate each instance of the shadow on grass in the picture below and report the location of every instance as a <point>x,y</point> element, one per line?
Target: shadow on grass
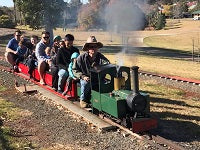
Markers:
<point>173,102</point>
<point>5,38</point>
<point>178,131</point>
<point>148,51</point>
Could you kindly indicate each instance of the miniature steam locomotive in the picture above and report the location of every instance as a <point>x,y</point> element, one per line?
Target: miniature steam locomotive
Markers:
<point>113,95</point>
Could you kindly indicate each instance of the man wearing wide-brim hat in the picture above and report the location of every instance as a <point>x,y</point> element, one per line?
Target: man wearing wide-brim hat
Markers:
<point>90,58</point>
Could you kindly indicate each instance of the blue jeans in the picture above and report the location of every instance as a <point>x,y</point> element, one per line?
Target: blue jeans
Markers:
<point>62,77</point>
<point>85,91</point>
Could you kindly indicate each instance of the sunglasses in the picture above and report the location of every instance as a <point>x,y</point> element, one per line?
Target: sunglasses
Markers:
<point>46,37</point>
<point>18,35</point>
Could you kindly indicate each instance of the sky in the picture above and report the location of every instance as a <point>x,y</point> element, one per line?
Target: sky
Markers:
<point>9,3</point>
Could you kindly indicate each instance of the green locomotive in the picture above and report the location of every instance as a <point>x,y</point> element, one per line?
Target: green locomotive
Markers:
<point>113,96</point>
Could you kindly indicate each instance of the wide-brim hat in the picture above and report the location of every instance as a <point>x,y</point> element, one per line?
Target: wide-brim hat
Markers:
<point>91,41</point>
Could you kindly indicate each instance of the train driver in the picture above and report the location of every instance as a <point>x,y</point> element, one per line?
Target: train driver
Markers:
<point>90,58</point>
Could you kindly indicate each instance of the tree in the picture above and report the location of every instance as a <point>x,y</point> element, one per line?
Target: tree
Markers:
<point>161,21</point>
<point>168,10</point>
<point>90,15</point>
<point>41,13</point>
<point>156,20</point>
<point>6,22</point>
<point>179,9</point>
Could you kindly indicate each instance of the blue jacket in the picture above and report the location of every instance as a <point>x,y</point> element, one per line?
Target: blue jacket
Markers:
<point>72,68</point>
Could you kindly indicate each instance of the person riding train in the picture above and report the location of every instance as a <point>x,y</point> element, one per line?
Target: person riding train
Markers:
<point>90,58</point>
<point>74,74</point>
<point>43,60</point>
<point>11,48</point>
<point>63,60</point>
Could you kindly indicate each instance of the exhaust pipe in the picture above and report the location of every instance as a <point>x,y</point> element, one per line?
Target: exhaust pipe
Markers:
<point>135,79</point>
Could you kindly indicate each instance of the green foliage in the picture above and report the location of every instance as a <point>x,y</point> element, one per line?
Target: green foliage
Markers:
<point>156,20</point>
<point>161,21</point>
<point>90,16</point>
<point>41,13</point>
<point>6,22</point>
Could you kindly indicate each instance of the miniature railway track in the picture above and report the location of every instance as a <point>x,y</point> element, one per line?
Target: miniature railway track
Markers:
<point>173,78</point>
<point>153,140</point>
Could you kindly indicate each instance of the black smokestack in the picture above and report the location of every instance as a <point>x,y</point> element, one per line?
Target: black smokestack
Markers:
<point>135,79</point>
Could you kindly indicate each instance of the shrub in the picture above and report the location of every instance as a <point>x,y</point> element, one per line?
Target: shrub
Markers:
<point>6,22</point>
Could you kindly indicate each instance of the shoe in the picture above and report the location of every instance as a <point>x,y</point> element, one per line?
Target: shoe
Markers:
<point>54,88</point>
<point>16,69</point>
<point>59,91</point>
<point>64,93</point>
<point>42,82</point>
<point>83,104</point>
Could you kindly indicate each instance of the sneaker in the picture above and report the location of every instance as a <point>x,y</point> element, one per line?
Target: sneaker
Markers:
<point>42,82</point>
<point>83,104</point>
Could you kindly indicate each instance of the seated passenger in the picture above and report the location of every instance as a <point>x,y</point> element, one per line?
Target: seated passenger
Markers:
<point>54,68</point>
<point>21,51</point>
<point>11,48</point>
<point>43,61</point>
<point>63,61</point>
<point>31,59</point>
<point>84,63</point>
<point>74,74</point>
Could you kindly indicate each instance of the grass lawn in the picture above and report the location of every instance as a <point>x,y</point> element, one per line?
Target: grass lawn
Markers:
<point>172,67</point>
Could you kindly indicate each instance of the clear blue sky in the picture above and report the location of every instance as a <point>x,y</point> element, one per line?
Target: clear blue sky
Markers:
<point>9,3</point>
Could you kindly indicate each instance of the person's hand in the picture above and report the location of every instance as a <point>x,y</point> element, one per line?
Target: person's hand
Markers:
<point>75,78</point>
<point>15,52</point>
<point>86,79</point>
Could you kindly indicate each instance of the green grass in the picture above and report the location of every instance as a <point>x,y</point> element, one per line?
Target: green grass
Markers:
<point>2,88</point>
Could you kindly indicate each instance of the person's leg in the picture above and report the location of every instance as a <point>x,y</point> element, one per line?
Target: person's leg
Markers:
<point>54,73</point>
<point>41,71</point>
<point>69,84</point>
<point>31,66</point>
<point>62,77</point>
<point>85,93</point>
<point>10,58</point>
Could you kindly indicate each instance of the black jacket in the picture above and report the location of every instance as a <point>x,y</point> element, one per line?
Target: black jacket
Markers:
<point>84,63</point>
<point>63,57</point>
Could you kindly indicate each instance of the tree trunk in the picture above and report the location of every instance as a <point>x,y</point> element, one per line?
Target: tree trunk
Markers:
<point>15,16</point>
<point>49,28</point>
